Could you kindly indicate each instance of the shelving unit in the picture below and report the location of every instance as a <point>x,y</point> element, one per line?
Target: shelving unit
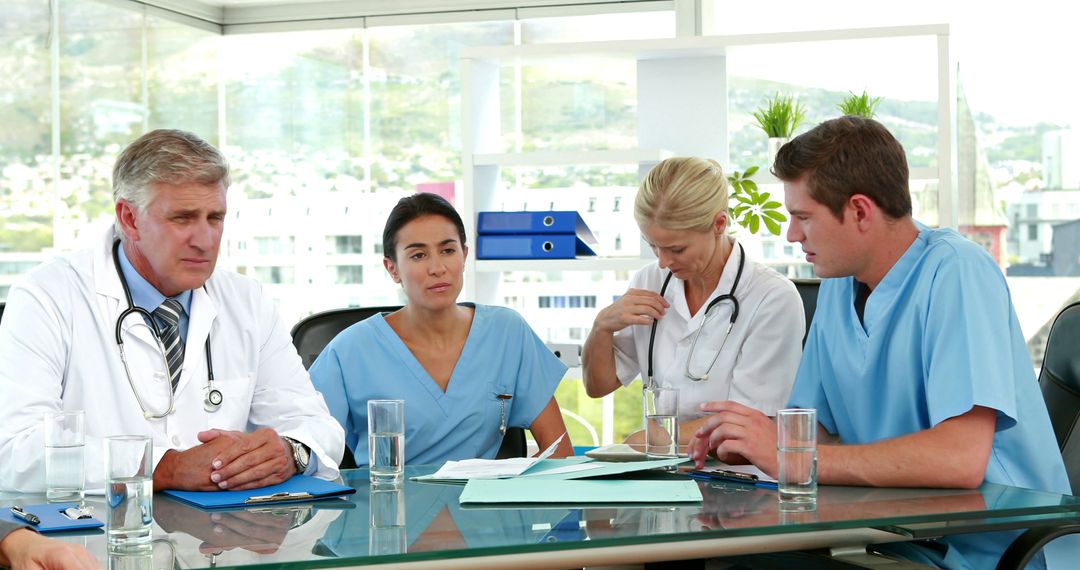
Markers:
<point>682,110</point>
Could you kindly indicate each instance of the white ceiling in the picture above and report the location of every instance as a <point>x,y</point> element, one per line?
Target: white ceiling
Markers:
<point>233,3</point>
<point>238,13</point>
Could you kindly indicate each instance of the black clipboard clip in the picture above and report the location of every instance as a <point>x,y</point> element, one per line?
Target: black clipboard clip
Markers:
<point>278,497</point>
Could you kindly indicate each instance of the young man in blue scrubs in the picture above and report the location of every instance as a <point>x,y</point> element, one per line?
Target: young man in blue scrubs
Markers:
<point>915,361</point>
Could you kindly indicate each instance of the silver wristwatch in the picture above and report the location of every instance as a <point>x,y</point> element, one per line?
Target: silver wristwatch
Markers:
<point>301,455</point>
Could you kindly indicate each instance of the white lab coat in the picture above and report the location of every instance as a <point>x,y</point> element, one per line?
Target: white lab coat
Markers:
<point>758,363</point>
<point>58,352</point>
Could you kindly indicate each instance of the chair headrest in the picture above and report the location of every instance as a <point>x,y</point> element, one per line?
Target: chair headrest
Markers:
<point>1061,361</point>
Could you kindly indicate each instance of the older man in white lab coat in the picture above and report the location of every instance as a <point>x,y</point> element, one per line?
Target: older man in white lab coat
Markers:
<point>223,395</point>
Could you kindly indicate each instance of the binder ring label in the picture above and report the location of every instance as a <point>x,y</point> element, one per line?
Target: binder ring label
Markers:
<point>547,246</point>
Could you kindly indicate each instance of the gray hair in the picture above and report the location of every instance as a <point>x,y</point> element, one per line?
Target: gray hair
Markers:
<point>165,156</point>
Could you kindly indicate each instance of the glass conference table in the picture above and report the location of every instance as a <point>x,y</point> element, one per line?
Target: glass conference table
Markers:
<point>733,519</point>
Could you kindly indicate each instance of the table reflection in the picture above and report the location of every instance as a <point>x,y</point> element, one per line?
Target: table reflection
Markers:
<point>435,521</point>
<point>196,538</point>
<point>405,522</point>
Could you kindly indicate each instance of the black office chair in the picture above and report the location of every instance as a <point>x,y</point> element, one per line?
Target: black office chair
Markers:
<point>1060,383</point>
<point>311,335</point>
<point>808,291</point>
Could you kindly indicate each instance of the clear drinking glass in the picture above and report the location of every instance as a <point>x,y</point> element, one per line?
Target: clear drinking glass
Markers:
<point>661,422</point>
<point>796,455</point>
<point>129,490</point>
<point>386,440</point>
<point>65,476</point>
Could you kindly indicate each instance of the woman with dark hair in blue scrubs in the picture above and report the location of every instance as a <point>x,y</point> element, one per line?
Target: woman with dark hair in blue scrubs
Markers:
<point>466,372</point>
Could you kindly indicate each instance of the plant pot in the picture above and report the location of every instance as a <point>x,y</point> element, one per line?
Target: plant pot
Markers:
<point>774,146</point>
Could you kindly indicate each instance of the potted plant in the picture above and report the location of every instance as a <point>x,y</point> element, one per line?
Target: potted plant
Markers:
<point>752,208</point>
<point>859,105</point>
<point>779,118</point>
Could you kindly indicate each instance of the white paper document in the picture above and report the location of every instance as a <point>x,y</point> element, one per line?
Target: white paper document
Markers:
<point>489,468</point>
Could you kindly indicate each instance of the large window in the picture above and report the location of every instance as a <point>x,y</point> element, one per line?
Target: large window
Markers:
<point>326,129</point>
<point>118,72</point>
<point>1017,143</point>
<point>27,164</point>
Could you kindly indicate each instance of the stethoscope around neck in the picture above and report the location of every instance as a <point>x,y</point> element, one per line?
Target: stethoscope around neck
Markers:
<point>730,297</point>
<point>212,397</point>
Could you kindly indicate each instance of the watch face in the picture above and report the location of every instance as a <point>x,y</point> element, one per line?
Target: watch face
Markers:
<point>300,454</point>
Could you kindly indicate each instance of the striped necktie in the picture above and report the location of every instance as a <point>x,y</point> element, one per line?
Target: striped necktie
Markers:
<point>168,313</point>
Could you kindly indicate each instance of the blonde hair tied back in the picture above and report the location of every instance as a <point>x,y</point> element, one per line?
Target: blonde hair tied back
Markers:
<point>682,193</point>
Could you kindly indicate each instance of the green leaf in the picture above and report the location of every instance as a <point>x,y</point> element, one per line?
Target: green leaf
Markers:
<point>750,184</point>
<point>755,224</point>
<point>744,199</point>
<point>749,172</point>
<point>771,205</point>
<point>774,228</point>
<point>775,215</point>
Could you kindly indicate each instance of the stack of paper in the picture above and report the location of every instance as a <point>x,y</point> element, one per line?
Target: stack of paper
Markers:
<point>543,480</point>
<point>462,471</point>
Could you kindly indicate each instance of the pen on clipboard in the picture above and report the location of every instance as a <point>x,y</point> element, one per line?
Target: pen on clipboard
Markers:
<point>28,517</point>
<point>726,474</point>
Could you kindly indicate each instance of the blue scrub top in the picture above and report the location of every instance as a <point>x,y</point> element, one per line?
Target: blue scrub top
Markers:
<point>940,337</point>
<point>501,356</point>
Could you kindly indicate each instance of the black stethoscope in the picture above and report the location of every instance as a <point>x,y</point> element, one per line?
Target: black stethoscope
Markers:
<point>730,296</point>
<point>212,397</point>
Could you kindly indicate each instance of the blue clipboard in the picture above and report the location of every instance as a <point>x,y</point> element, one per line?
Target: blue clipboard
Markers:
<point>531,246</point>
<point>550,222</point>
<point>52,518</point>
<point>299,489</point>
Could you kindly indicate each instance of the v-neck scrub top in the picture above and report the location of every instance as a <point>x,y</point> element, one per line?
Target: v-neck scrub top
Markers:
<point>502,355</point>
<point>758,363</point>
<point>940,337</point>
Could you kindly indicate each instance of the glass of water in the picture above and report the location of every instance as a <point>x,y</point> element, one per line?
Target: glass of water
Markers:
<point>661,422</point>
<point>796,455</point>
<point>386,440</point>
<point>129,490</point>
<point>64,441</point>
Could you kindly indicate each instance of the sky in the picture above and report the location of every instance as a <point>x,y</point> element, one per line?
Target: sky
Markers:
<point>1017,60</point>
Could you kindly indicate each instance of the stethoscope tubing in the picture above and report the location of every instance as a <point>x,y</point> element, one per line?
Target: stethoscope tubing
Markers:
<point>730,297</point>
<point>214,398</point>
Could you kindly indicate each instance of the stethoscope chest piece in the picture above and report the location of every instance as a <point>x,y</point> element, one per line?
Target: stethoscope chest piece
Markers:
<point>212,400</point>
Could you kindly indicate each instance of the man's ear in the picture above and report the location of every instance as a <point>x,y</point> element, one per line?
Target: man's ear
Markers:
<point>128,217</point>
<point>391,268</point>
<point>864,211</point>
